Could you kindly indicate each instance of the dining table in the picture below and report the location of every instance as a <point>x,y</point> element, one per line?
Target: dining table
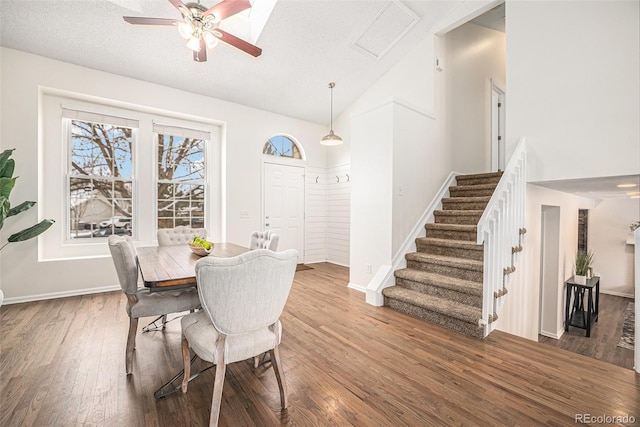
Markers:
<point>172,267</point>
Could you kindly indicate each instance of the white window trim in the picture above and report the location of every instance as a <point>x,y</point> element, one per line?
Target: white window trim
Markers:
<point>53,172</point>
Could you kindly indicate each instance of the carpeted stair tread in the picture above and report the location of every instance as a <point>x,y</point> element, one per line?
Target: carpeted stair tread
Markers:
<point>475,199</point>
<point>478,178</point>
<point>465,244</point>
<point>467,264</point>
<point>441,306</point>
<point>451,227</point>
<point>467,249</point>
<point>457,216</point>
<point>471,190</point>
<point>433,279</point>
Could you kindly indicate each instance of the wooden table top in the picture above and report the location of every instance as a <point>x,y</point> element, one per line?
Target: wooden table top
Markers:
<point>171,266</point>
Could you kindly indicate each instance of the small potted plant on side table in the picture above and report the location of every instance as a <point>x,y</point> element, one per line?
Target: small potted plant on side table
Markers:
<point>583,264</point>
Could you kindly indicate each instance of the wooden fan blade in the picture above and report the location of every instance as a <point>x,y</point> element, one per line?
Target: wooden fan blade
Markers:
<point>135,20</point>
<point>227,8</point>
<point>239,43</point>
<point>201,55</point>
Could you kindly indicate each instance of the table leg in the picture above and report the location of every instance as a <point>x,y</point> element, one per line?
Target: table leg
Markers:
<point>597,297</point>
<point>566,308</point>
<point>589,305</point>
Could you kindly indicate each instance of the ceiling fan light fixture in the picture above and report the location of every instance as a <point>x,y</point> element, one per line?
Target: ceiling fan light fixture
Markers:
<point>186,29</point>
<point>210,39</point>
<point>194,44</point>
<point>331,139</point>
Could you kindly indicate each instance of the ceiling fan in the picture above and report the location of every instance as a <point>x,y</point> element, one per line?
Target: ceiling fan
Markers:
<point>200,26</point>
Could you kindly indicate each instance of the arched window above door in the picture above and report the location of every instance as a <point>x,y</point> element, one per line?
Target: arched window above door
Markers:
<point>283,146</point>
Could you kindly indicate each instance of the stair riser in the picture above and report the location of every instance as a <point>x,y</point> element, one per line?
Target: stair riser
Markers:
<point>437,233</point>
<point>470,192</point>
<point>457,219</point>
<point>457,325</point>
<point>446,270</point>
<point>461,180</point>
<point>430,248</point>
<point>462,205</point>
<point>437,291</point>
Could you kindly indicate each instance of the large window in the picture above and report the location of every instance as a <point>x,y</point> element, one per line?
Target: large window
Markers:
<point>181,177</point>
<point>100,175</point>
<point>118,169</point>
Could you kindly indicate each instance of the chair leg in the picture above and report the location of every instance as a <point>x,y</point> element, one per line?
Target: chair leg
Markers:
<point>164,322</point>
<point>186,356</point>
<point>277,368</point>
<point>131,344</point>
<point>218,384</point>
<point>256,362</point>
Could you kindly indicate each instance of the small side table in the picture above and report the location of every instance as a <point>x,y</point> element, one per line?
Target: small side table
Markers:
<point>581,316</point>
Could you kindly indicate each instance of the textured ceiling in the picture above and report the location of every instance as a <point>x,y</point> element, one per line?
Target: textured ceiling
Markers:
<point>306,44</point>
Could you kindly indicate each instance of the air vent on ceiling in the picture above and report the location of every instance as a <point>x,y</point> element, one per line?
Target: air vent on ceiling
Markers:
<point>389,26</point>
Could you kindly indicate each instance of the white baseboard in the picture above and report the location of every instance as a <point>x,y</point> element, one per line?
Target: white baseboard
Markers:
<point>616,294</point>
<point>63,294</point>
<point>360,288</point>
<point>556,335</point>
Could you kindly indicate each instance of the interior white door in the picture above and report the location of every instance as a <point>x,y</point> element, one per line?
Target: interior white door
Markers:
<point>284,205</point>
<point>498,126</point>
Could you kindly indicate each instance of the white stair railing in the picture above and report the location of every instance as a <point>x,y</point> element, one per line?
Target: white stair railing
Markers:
<point>501,230</point>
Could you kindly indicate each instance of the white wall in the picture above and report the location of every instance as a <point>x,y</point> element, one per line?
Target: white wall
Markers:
<point>572,87</point>
<point>608,233</point>
<point>371,189</point>
<point>520,311</point>
<point>474,56</point>
<point>22,75</point>
<point>572,90</point>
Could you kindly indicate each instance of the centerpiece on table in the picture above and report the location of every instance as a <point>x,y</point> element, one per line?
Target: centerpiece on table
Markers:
<point>200,246</point>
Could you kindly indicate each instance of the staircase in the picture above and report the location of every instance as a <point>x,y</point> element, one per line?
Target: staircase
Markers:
<point>442,282</point>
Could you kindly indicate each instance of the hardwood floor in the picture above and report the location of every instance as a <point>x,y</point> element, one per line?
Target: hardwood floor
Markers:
<point>346,363</point>
<point>605,334</point>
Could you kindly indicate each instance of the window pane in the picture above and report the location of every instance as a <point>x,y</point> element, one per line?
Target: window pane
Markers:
<point>281,146</point>
<point>100,186</point>
<point>181,173</point>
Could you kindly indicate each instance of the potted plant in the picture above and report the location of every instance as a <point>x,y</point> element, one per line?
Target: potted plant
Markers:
<point>583,264</point>
<point>7,182</point>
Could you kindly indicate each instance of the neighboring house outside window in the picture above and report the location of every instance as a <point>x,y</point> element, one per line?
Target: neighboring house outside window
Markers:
<point>100,177</point>
<point>282,146</point>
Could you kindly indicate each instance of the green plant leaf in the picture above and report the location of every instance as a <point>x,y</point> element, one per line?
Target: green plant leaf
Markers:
<point>31,232</point>
<point>4,209</point>
<point>4,157</point>
<point>6,185</point>
<point>20,208</point>
<point>7,170</point>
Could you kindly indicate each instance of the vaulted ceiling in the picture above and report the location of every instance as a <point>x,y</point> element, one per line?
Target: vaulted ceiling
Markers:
<point>306,44</point>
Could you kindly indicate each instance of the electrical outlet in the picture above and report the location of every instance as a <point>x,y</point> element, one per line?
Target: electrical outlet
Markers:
<point>369,268</point>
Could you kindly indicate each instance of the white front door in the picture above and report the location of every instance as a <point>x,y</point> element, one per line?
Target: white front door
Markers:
<point>284,205</point>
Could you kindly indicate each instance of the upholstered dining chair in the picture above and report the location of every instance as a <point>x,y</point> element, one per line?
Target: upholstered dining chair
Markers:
<point>264,240</point>
<point>180,235</point>
<point>242,299</point>
<point>140,302</point>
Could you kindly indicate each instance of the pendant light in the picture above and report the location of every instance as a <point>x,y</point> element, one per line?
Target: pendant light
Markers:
<point>331,138</point>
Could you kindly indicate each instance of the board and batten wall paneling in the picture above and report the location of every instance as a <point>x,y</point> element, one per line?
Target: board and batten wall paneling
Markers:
<point>315,215</point>
<point>328,206</point>
<point>338,214</point>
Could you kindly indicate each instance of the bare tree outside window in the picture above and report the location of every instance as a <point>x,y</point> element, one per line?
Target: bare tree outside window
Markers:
<point>181,181</point>
<point>281,146</point>
<point>100,179</point>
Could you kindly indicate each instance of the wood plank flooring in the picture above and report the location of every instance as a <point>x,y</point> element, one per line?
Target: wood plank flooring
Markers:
<point>346,363</point>
<point>605,334</point>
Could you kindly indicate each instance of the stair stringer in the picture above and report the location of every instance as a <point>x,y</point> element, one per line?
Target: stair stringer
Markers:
<point>384,277</point>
